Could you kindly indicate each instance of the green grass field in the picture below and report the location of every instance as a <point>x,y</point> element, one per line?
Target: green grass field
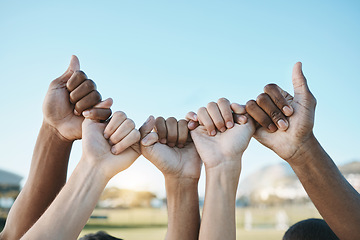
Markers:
<point>150,224</point>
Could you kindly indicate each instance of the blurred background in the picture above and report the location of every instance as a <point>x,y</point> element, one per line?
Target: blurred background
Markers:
<point>166,58</point>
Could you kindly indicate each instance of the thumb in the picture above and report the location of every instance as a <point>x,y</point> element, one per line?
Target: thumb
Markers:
<point>73,66</point>
<point>299,80</point>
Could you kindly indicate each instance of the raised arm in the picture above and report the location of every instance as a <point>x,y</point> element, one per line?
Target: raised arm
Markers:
<point>70,210</point>
<point>51,154</point>
<point>337,201</point>
<point>172,151</point>
<point>220,146</point>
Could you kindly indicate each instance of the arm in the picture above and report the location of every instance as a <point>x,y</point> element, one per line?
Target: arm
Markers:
<point>51,154</point>
<point>69,212</point>
<point>221,152</point>
<point>337,201</point>
<point>171,151</point>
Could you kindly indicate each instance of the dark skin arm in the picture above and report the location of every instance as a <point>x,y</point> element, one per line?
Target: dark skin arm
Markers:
<point>336,200</point>
<point>61,126</point>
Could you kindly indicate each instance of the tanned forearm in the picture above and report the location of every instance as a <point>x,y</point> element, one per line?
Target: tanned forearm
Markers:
<point>219,206</point>
<point>183,208</point>
<point>46,178</point>
<point>336,200</point>
<point>71,209</point>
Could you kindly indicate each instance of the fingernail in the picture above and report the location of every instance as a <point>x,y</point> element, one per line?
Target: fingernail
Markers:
<point>222,129</point>
<point>163,140</point>
<point>213,133</point>
<point>144,141</point>
<point>282,124</point>
<point>243,119</point>
<point>171,144</point>
<point>229,124</point>
<point>288,110</point>
<point>113,150</point>
<point>180,145</point>
<point>76,112</point>
<point>195,117</point>
<point>86,113</point>
<point>106,136</point>
<point>272,127</point>
<point>148,119</point>
<point>191,125</point>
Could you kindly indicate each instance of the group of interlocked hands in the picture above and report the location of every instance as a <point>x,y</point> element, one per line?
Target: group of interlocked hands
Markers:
<point>217,135</point>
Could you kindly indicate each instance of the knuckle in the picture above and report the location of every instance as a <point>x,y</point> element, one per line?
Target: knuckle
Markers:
<point>251,105</point>
<point>129,123</point>
<point>171,119</point>
<point>182,122</point>
<point>223,100</point>
<point>202,110</point>
<point>160,119</point>
<point>219,123</point>
<point>119,114</point>
<point>270,87</point>
<point>211,104</point>
<point>89,84</point>
<point>261,98</point>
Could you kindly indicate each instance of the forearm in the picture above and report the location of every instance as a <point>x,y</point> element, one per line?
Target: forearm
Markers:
<point>218,219</point>
<point>183,208</point>
<point>46,178</point>
<point>336,200</point>
<point>71,209</point>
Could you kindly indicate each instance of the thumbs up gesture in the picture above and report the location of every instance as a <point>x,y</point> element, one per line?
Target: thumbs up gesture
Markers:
<point>285,121</point>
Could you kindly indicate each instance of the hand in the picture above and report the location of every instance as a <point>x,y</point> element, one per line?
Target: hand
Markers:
<point>169,148</point>
<point>222,147</point>
<point>113,155</point>
<point>68,96</point>
<point>300,111</point>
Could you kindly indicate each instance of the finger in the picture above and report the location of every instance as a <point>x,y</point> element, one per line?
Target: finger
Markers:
<point>132,138</point>
<point>183,132</point>
<point>192,119</point>
<point>215,114</point>
<point>225,110</point>
<point>192,125</point>
<point>278,98</point>
<point>149,139</point>
<point>172,131</point>
<point>75,80</point>
<point>260,116</point>
<point>191,116</point>
<point>99,114</point>
<point>123,130</point>
<point>117,119</point>
<point>299,80</point>
<point>147,127</point>
<point>240,118</point>
<point>237,108</point>
<point>277,117</point>
<point>88,101</point>
<point>82,90</point>
<point>73,67</point>
<point>205,119</point>
<point>107,103</point>
<point>160,128</point>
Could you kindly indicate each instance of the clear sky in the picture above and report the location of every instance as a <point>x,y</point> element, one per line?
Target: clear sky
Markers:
<point>166,58</point>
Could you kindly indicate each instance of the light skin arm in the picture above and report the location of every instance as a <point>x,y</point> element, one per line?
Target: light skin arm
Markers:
<point>221,152</point>
<point>336,200</point>
<point>51,154</point>
<point>173,153</point>
<point>69,212</point>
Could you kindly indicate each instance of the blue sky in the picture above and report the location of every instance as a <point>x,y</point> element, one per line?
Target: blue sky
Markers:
<point>166,58</point>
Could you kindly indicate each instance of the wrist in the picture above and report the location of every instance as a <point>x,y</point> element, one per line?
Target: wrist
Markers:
<point>305,152</point>
<point>93,170</point>
<point>47,127</point>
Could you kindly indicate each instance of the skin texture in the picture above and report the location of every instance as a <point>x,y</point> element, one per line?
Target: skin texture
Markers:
<point>81,193</point>
<point>51,154</point>
<point>171,150</point>
<point>221,153</point>
<point>337,201</point>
